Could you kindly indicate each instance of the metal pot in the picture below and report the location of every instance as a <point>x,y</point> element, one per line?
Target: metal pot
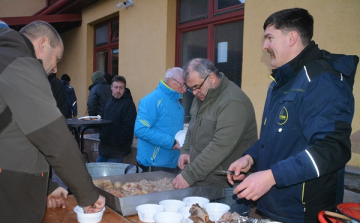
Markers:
<point>111,169</point>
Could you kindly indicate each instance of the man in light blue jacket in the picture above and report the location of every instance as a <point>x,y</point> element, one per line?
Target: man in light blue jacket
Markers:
<point>160,117</point>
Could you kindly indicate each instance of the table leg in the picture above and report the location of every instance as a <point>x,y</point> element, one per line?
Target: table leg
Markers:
<point>82,143</point>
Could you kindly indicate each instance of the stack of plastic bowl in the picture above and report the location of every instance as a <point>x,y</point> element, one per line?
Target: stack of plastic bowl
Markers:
<point>172,205</point>
<point>185,212</point>
<point>216,210</point>
<point>88,217</point>
<point>146,212</point>
<point>168,217</point>
<point>194,199</point>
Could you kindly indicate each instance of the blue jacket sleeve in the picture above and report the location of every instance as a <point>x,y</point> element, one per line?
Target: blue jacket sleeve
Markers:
<point>148,113</point>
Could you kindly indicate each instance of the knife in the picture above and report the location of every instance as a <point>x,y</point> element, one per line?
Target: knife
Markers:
<point>225,172</point>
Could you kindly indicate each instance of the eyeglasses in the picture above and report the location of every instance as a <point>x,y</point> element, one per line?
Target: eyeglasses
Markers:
<point>194,88</point>
<point>182,85</point>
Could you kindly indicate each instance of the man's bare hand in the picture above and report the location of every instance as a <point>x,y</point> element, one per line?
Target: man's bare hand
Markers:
<point>183,160</point>
<point>96,207</point>
<point>57,198</point>
<point>177,145</point>
<point>255,185</point>
<point>241,165</point>
<point>179,182</point>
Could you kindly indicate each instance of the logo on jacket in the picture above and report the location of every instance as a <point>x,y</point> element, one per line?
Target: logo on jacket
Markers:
<point>283,116</point>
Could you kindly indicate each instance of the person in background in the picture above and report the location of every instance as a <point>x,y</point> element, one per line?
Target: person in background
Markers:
<point>221,128</point>
<point>30,128</point>
<point>59,94</point>
<point>100,92</point>
<point>304,142</point>
<point>108,78</point>
<point>160,117</point>
<point>116,139</point>
<point>71,97</point>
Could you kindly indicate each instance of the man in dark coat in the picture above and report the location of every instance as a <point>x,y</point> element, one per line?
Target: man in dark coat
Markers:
<point>117,138</point>
<point>71,97</point>
<point>59,93</point>
<point>100,91</point>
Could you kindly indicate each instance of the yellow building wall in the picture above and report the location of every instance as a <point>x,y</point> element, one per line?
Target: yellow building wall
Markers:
<point>146,46</point>
<point>11,8</point>
<point>336,29</point>
<point>78,56</point>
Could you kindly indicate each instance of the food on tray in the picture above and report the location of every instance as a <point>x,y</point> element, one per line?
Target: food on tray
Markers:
<point>199,215</point>
<point>103,184</point>
<point>134,188</point>
<point>117,185</point>
<point>231,217</point>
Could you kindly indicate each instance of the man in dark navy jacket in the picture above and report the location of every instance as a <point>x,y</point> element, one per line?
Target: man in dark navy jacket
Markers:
<point>304,141</point>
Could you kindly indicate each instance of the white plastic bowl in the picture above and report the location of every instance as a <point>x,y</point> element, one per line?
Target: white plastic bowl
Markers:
<point>172,205</point>
<point>168,217</point>
<point>147,211</point>
<point>88,218</point>
<point>216,210</point>
<point>180,137</point>
<point>185,212</point>
<point>194,199</point>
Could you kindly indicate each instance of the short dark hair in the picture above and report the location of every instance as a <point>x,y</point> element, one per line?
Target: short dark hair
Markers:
<point>65,77</point>
<point>201,65</point>
<point>295,19</point>
<point>119,78</point>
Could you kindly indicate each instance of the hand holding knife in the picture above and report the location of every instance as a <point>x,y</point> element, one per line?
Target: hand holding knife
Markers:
<point>225,172</point>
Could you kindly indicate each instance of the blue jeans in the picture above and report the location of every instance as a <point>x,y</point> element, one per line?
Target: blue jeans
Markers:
<point>240,206</point>
<point>109,160</point>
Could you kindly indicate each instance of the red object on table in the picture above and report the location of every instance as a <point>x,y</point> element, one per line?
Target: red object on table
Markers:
<point>352,210</point>
<point>326,219</point>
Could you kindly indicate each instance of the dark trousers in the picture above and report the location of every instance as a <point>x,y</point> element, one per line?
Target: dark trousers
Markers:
<point>155,168</point>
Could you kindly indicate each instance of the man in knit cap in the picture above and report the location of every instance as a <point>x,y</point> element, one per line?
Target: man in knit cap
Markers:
<point>100,91</point>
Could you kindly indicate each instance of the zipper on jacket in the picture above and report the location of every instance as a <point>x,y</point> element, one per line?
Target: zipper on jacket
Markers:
<point>156,150</point>
<point>302,197</point>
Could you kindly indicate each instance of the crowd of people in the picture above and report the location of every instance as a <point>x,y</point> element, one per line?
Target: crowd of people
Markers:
<point>293,170</point>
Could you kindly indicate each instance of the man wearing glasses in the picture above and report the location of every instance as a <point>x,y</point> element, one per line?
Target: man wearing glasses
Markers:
<point>221,128</point>
<point>160,117</point>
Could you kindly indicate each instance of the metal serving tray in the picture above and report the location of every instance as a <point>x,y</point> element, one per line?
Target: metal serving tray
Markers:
<point>127,205</point>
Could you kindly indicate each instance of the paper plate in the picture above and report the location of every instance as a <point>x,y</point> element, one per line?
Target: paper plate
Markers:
<point>180,137</point>
<point>90,118</point>
<point>352,210</point>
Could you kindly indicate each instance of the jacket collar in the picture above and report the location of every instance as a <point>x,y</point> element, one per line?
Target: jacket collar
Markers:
<point>29,45</point>
<point>169,91</point>
<point>214,92</point>
<point>98,81</point>
<point>282,74</point>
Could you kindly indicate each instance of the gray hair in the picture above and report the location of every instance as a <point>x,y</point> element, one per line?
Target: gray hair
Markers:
<point>173,73</point>
<point>201,65</point>
<point>37,29</point>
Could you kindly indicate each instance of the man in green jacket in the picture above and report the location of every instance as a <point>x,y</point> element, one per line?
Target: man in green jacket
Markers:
<point>33,133</point>
<point>221,128</point>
